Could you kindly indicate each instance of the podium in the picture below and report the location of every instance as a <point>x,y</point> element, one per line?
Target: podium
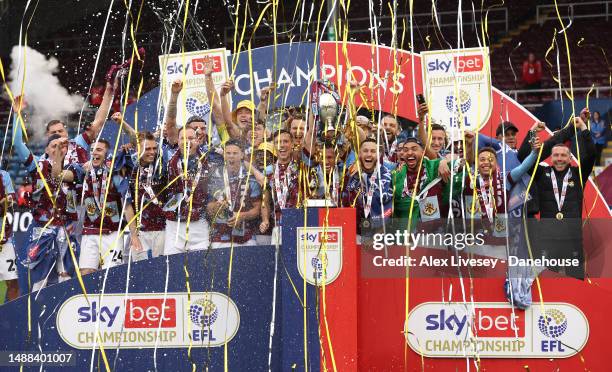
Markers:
<point>306,305</point>
<point>177,311</point>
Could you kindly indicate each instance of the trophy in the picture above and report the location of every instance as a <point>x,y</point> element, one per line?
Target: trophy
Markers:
<point>325,103</point>
<point>328,111</point>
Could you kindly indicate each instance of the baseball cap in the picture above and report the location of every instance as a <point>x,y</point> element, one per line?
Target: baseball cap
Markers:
<point>505,125</point>
<point>242,104</point>
<point>267,146</point>
<point>414,140</point>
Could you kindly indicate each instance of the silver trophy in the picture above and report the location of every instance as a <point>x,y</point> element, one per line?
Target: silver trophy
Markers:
<point>328,111</point>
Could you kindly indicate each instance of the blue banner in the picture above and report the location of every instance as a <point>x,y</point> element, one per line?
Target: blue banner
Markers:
<point>295,65</point>
<point>157,299</point>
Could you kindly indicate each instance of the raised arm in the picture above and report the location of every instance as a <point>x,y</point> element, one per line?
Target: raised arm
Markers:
<point>559,136</point>
<point>213,97</point>
<point>587,149</point>
<point>422,111</point>
<point>469,147</point>
<point>107,100</point>
<point>526,164</point>
<point>309,143</point>
<point>486,141</point>
<point>118,118</point>
<point>232,128</point>
<point>264,101</point>
<point>22,150</point>
<point>170,120</point>
<point>58,171</point>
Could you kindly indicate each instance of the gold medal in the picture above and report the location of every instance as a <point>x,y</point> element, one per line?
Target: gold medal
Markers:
<point>559,216</point>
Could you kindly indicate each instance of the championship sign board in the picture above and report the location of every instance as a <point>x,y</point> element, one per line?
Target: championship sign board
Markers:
<point>189,67</point>
<point>148,320</point>
<point>319,257</point>
<point>457,86</point>
<point>495,330</point>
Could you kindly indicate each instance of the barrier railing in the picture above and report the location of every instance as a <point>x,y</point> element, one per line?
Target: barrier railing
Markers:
<point>596,92</point>
<point>591,9</point>
<point>361,25</point>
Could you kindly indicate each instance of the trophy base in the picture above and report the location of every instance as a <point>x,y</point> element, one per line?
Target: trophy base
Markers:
<point>320,203</point>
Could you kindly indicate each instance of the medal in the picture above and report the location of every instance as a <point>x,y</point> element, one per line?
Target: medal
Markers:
<point>560,199</point>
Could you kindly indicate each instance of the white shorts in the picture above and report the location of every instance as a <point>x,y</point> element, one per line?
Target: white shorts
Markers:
<point>8,262</point>
<point>152,244</point>
<point>109,248</point>
<point>216,245</point>
<point>177,242</point>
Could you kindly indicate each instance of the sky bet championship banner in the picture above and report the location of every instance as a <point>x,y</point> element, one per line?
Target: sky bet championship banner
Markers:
<point>457,86</point>
<point>149,315</point>
<point>494,330</point>
<point>189,67</point>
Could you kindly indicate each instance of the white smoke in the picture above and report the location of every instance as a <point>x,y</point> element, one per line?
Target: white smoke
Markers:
<point>47,99</point>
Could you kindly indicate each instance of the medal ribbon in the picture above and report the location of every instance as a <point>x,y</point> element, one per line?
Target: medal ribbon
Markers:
<point>187,189</point>
<point>147,185</point>
<point>367,207</point>
<point>560,199</point>
<point>96,188</point>
<point>228,191</point>
<point>281,190</point>
<point>486,198</point>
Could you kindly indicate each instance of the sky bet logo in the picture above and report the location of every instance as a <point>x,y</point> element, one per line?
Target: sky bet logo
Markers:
<point>487,322</point>
<point>140,313</point>
<point>320,237</point>
<point>196,65</point>
<point>471,63</point>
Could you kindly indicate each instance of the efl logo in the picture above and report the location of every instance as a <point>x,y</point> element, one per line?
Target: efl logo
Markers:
<point>487,322</point>
<point>471,63</point>
<point>147,313</point>
<point>199,63</point>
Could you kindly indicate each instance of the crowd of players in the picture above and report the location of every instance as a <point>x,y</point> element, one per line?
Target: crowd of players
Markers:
<point>194,185</point>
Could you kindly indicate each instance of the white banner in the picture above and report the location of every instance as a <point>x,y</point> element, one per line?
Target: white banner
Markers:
<point>147,320</point>
<point>319,254</point>
<point>457,87</point>
<point>189,67</point>
<point>493,330</point>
